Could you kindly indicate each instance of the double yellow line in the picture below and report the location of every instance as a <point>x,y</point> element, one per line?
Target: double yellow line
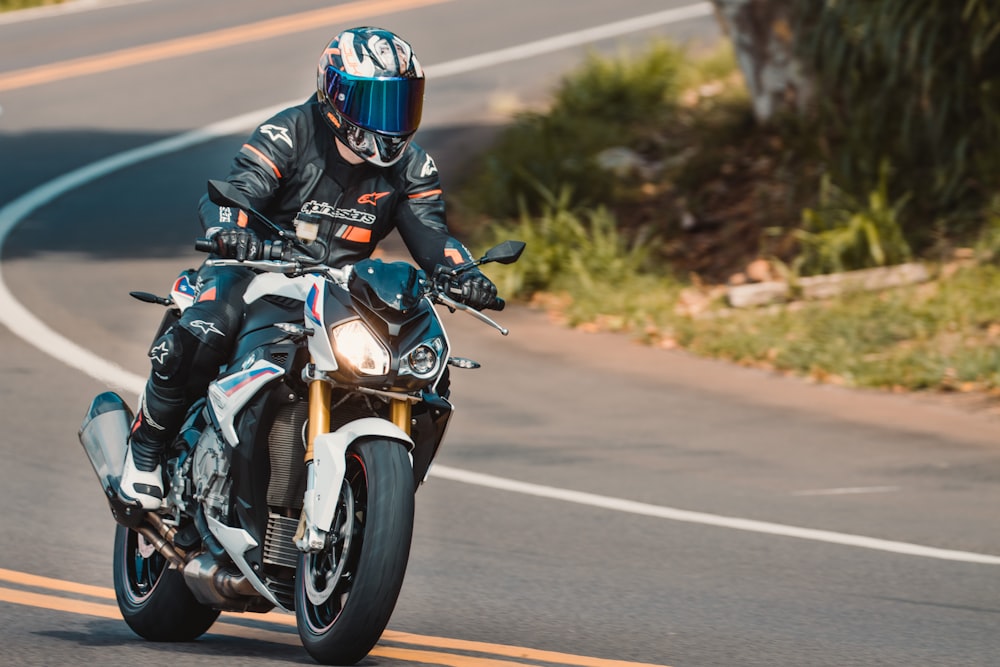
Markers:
<point>209,41</point>
<point>394,645</point>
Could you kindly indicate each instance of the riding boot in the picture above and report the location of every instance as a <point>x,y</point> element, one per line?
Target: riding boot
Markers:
<point>159,418</point>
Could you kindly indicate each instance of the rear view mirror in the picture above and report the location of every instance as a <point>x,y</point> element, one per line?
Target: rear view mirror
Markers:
<point>507,252</point>
<point>224,193</point>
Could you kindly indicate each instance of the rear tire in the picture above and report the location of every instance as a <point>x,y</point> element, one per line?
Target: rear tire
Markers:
<point>153,598</point>
<point>345,594</point>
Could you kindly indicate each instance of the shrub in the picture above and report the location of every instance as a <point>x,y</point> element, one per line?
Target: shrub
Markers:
<point>606,103</point>
<point>842,233</point>
<point>919,83</point>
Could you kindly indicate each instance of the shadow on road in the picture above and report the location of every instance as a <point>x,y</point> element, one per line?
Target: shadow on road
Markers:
<point>148,210</point>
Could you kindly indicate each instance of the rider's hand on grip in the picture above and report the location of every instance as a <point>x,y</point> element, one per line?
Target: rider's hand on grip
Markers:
<point>474,289</point>
<point>238,243</point>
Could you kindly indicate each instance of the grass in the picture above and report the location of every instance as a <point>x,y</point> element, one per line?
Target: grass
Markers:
<point>9,5</point>
<point>943,335</point>
<point>643,247</point>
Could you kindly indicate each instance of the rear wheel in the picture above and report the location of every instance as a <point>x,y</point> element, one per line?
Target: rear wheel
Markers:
<point>153,598</point>
<point>345,594</point>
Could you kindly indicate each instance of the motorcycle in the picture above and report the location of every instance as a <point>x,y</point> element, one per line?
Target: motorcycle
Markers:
<point>291,483</point>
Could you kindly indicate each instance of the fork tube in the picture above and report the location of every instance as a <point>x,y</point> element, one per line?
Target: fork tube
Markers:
<point>400,415</point>
<point>319,414</point>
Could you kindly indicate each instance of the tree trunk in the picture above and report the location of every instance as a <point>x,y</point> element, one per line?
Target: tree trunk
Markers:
<point>761,33</point>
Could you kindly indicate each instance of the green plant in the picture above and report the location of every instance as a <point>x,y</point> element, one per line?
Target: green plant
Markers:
<point>568,246</point>
<point>919,83</point>
<point>843,234</point>
<point>8,5</point>
<point>607,102</point>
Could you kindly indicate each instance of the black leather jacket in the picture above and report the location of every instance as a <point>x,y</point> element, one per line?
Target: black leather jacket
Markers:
<point>291,164</point>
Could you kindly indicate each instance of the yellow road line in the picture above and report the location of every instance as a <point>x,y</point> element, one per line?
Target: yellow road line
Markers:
<point>56,603</point>
<point>509,651</point>
<point>107,611</point>
<point>26,579</point>
<point>209,41</point>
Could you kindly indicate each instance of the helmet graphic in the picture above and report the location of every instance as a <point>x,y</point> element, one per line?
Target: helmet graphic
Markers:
<point>371,88</point>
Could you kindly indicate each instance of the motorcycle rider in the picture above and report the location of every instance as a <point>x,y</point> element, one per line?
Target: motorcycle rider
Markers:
<point>341,170</point>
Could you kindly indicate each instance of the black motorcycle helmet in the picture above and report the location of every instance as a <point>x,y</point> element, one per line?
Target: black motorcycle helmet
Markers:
<point>371,87</point>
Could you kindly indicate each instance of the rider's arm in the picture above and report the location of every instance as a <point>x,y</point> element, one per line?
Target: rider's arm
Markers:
<point>420,214</point>
<point>258,169</point>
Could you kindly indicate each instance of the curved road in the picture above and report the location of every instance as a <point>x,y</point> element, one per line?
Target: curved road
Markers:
<point>598,503</point>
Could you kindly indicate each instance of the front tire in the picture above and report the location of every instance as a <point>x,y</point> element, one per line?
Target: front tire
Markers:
<point>345,594</point>
<point>153,598</point>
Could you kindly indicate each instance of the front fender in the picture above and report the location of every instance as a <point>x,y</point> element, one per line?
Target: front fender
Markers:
<point>329,465</point>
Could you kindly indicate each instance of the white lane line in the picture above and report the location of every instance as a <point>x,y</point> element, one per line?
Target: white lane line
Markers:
<point>686,516</point>
<point>26,325</point>
<point>22,321</point>
<point>846,491</point>
<point>571,39</point>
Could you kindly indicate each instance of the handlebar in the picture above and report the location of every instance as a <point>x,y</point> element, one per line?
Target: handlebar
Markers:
<point>272,250</point>
<point>205,245</point>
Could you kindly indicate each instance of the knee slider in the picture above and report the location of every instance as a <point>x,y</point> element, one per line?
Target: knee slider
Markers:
<point>167,356</point>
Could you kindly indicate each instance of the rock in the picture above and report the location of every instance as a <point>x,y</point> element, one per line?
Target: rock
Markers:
<point>759,271</point>
<point>821,287</point>
<point>757,294</point>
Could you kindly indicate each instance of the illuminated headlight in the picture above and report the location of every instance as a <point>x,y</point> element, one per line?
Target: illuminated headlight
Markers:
<point>356,344</point>
<point>424,360</point>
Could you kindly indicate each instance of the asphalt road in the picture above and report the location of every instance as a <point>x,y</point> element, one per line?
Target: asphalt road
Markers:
<point>597,503</point>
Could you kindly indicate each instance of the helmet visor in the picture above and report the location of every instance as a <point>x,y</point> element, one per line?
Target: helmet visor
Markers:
<point>387,105</point>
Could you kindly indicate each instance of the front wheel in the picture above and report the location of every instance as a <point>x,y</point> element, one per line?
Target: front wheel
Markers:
<point>152,596</point>
<point>345,594</point>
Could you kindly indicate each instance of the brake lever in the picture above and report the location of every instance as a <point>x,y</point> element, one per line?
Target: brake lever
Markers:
<point>455,305</point>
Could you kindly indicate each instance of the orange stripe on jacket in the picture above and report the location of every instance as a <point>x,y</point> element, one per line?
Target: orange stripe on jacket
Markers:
<point>207,295</point>
<point>242,219</point>
<point>263,157</point>
<point>357,234</point>
<point>427,193</point>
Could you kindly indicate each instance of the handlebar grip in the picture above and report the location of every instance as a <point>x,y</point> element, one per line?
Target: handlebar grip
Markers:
<point>498,304</point>
<point>205,245</point>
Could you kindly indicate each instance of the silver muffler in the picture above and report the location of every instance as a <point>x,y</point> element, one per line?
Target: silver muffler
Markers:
<point>104,436</point>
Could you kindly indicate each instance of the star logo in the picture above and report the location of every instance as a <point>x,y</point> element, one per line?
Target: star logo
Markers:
<point>429,168</point>
<point>206,327</point>
<point>277,133</point>
<point>371,198</point>
<point>159,353</point>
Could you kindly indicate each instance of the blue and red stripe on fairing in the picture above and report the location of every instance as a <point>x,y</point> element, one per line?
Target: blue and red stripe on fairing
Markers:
<point>234,383</point>
<point>312,302</point>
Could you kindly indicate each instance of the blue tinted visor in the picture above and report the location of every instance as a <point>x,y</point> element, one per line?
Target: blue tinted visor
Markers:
<point>386,105</point>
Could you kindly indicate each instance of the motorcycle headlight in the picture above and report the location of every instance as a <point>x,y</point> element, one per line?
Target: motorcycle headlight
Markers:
<point>424,360</point>
<point>359,347</point>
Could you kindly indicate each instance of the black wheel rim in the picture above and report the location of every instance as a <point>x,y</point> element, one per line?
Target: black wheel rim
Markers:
<point>328,576</point>
<point>143,567</point>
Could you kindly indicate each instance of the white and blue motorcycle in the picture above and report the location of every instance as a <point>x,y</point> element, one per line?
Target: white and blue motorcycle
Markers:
<point>291,484</point>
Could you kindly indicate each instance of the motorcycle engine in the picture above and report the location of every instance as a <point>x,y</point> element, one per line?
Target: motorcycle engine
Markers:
<point>210,474</point>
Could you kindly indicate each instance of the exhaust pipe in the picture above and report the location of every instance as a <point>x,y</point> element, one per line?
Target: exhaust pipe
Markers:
<point>104,436</point>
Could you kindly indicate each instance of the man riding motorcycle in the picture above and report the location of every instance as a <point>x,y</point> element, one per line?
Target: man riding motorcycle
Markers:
<point>342,171</point>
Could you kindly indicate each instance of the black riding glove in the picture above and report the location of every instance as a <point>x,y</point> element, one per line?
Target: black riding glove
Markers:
<point>474,289</point>
<point>238,243</point>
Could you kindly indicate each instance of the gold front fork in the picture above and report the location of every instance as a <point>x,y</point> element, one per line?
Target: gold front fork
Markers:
<point>319,414</point>
<point>399,413</point>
